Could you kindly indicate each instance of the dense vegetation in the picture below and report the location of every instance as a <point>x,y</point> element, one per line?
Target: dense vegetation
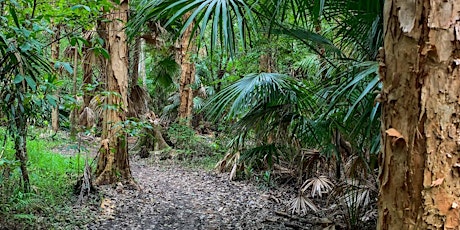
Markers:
<point>278,92</point>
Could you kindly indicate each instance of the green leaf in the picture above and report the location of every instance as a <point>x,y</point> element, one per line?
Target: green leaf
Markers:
<point>73,41</point>
<point>15,17</point>
<point>25,47</point>
<point>103,52</point>
<point>66,66</point>
<point>18,79</point>
<point>81,6</point>
<point>31,83</point>
<point>52,100</point>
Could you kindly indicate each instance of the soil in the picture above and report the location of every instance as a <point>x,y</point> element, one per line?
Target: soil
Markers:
<point>175,197</point>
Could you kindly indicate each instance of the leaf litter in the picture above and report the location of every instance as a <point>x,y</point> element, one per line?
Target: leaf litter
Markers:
<point>174,197</point>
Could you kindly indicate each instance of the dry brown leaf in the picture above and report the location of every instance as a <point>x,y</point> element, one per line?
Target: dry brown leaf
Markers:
<point>394,133</point>
<point>437,182</point>
<point>233,172</point>
<point>107,208</point>
<point>105,144</point>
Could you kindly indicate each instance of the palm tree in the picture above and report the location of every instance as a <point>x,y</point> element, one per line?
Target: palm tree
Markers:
<point>282,114</point>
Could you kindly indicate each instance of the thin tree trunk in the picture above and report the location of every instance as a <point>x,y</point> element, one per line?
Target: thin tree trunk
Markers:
<point>55,49</point>
<point>74,114</point>
<point>267,64</point>
<point>419,163</point>
<point>135,55</point>
<point>20,144</point>
<point>113,162</point>
<point>89,59</point>
<point>141,65</point>
<point>187,77</point>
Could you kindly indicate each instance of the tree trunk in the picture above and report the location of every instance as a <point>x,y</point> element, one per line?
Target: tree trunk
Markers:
<point>187,77</point>
<point>113,162</point>
<point>74,113</point>
<point>55,49</point>
<point>419,161</point>
<point>20,143</point>
<point>138,96</point>
<point>141,64</point>
<point>267,63</point>
<point>89,59</point>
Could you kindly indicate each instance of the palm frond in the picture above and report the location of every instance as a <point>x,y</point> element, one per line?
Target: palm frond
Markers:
<point>227,19</point>
<point>359,25</point>
<point>301,204</point>
<point>319,185</point>
<point>165,71</point>
<point>237,99</point>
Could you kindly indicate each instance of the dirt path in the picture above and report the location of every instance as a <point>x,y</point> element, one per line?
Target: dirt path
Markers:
<point>173,197</point>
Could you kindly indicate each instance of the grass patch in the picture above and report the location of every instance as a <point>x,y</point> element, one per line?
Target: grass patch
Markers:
<point>52,176</point>
<point>203,162</point>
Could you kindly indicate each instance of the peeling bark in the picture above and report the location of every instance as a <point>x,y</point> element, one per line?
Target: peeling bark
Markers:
<point>113,162</point>
<point>419,174</point>
<point>187,77</point>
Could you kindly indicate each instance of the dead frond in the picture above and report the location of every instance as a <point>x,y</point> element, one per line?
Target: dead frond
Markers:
<point>96,104</point>
<point>318,185</point>
<point>356,166</point>
<point>87,118</point>
<point>138,101</point>
<point>359,193</point>
<point>227,162</point>
<point>300,205</point>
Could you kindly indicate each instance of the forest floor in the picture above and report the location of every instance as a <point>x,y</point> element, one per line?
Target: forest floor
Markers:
<point>176,197</point>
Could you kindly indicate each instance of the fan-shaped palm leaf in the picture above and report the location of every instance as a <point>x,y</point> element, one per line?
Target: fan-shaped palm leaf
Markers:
<point>319,185</point>
<point>254,90</point>
<point>228,19</point>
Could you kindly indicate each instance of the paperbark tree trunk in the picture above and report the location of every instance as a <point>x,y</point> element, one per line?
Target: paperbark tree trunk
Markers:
<point>113,162</point>
<point>187,77</point>
<point>419,161</point>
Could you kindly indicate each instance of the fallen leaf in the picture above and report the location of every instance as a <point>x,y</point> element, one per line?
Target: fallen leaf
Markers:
<point>449,155</point>
<point>437,182</point>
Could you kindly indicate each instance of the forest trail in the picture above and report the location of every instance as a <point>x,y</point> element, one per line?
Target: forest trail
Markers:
<point>174,197</point>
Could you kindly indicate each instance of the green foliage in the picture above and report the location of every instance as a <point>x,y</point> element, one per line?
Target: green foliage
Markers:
<point>195,150</point>
<point>204,13</point>
<point>52,176</point>
<point>182,136</point>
